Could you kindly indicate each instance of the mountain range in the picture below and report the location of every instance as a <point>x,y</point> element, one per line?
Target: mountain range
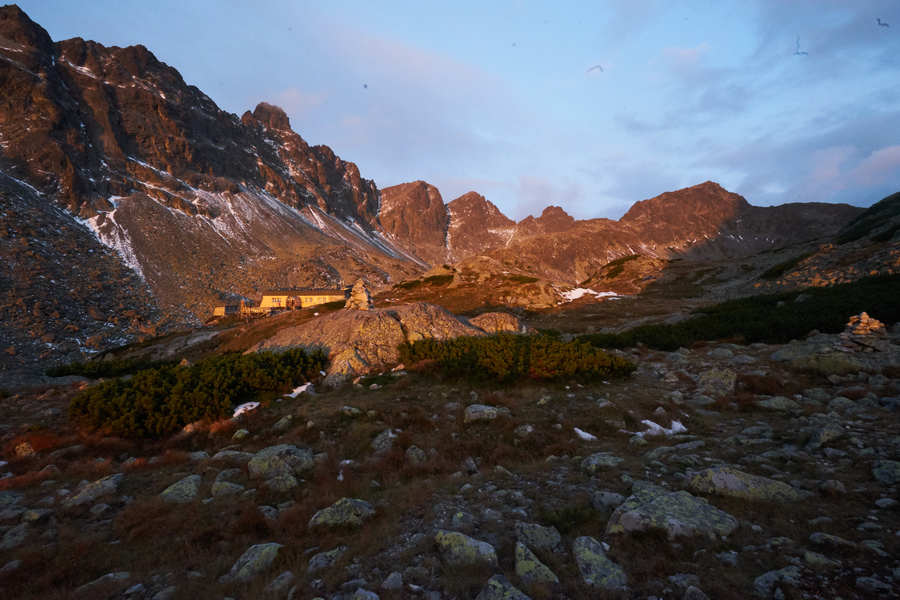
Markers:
<point>132,204</point>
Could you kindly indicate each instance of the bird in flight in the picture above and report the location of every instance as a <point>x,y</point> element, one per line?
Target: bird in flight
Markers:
<point>365,86</point>
<point>882,23</point>
<point>595,68</point>
<point>797,52</point>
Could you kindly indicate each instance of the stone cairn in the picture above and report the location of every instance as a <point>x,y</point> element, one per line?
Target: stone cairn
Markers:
<point>863,333</point>
<point>359,297</point>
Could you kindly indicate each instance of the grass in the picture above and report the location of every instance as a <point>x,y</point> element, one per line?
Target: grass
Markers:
<point>775,318</point>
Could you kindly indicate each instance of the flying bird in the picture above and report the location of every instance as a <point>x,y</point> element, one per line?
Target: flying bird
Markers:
<point>882,23</point>
<point>797,52</point>
<point>365,86</point>
<point>595,68</point>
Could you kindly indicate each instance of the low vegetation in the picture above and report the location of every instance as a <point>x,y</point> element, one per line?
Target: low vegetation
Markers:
<point>617,267</point>
<point>96,369</point>
<point>508,357</point>
<point>522,279</point>
<point>158,401</point>
<point>775,318</point>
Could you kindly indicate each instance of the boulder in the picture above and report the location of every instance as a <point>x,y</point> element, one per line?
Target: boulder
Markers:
<point>346,512</point>
<point>530,569</point>
<point>323,560</point>
<point>717,382</point>
<point>538,537</point>
<point>596,569</point>
<point>460,550</point>
<point>92,491</point>
<point>252,563</point>
<point>183,490</point>
<point>360,341</point>
<point>283,462</point>
<point>779,403</point>
<point>728,481</point>
<point>651,507</point>
<point>498,587</point>
<point>764,586</point>
<point>483,412</point>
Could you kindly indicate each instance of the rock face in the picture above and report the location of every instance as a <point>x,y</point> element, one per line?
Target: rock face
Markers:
<point>155,171</point>
<point>676,513</point>
<point>361,341</point>
<point>415,217</point>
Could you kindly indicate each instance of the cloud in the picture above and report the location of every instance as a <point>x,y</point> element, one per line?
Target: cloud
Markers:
<point>299,102</point>
<point>535,193</point>
<point>879,167</point>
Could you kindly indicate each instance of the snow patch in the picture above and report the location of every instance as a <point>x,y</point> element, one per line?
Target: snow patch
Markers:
<point>655,429</point>
<point>584,435</point>
<point>244,408</point>
<point>306,387</point>
<point>577,293</point>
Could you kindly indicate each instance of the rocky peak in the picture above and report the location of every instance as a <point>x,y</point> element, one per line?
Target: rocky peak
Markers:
<point>17,27</point>
<point>552,220</point>
<point>271,116</point>
<point>415,216</point>
<point>477,226</point>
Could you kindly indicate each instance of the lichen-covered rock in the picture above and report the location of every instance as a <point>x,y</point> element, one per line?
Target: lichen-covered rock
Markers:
<point>92,491</point>
<point>497,322</point>
<point>717,382</point>
<point>887,471</point>
<point>383,442</point>
<point>651,507</point>
<point>728,481</point>
<point>282,461</point>
<point>538,537</point>
<point>483,412</point>
<point>597,570</point>
<point>498,587</point>
<point>828,432</point>
<point>600,461</point>
<point>252,563</point>
<point>182,491</point>
<point>346,512</point>
<point>530,569</point>
<point>225,488</point>
<point>459,550</point>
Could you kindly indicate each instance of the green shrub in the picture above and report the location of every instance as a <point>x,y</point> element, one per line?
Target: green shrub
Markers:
<point>96,369</point>
<point>506,357</point>
<point>159,401</point>
<point>775,318</point>
<point>783,267</point>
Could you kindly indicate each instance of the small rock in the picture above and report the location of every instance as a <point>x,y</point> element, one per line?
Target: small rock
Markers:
<point>538,537</point>
<point>393,582</point>
<point>600,461</point>
<point>280,583</point>
<point>14,537</point>
<point>887,471</point>
<point>498,587</point>
<point>416,456</point>
<point>383,442</point>
<point>92,491</point>
<point>764,585</point>
<point>323,560</point>
<point>346,512</point>
<point>779,403</point>
<point>873,586</point>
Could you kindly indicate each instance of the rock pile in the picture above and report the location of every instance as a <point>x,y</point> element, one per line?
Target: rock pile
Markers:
<point>359,299</point>
<point>863,333</point>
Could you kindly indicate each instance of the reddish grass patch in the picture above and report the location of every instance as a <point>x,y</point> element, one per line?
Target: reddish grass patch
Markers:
<point>25,480</point>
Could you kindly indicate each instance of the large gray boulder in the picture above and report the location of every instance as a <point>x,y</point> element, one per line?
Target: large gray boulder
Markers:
<point>281,466</point>
<point>346,512</point>
<point>360,341</point>
<point>460,550</point>
<point>597,570</point>
<point>92,491</point>
<point>252,563</point>
<point>728,481</point>
<point>651,507</point>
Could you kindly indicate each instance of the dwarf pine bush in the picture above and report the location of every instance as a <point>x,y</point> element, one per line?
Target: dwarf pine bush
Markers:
<point>506,357</point>
<point>159,401</point>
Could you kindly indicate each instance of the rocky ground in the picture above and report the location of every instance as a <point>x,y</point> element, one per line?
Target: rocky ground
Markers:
<point>720,471</point>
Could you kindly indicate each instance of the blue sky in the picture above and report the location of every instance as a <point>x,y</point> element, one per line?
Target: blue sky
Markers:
<point>496,97</point>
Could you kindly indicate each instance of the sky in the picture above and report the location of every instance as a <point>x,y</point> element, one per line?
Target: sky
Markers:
<point>779,101</point>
